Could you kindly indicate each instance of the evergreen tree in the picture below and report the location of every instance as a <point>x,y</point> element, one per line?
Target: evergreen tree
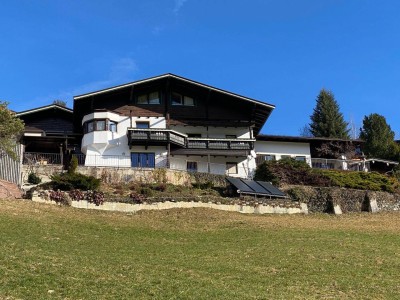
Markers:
<point>11,128</point>
<point>327,120</point>
<point>378,137</point>
<point>60,103</point>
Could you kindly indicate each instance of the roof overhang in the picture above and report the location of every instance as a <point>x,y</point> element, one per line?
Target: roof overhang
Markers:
<point>42,108</point>
<point>169,75</point>
<point>301,139</point>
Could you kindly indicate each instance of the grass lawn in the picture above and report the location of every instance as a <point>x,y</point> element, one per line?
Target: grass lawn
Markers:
<point>51,252</point>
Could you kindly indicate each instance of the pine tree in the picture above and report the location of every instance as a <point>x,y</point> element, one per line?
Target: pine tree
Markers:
<point>10,129</point>
<point>327,120</point>
<point>378,137</point>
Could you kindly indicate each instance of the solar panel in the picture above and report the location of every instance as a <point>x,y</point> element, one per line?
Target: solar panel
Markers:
<point>273,190</point>
<point>237,182</point>
<point>255,187</point>
<point>258,189</point>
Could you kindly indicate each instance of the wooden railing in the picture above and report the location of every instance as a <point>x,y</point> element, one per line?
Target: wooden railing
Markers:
<point>156,135</point>
<point>224,144</point>
<point>136,135</point>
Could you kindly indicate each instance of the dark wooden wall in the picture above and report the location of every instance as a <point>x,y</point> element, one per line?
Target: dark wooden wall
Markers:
<point>210,106</point>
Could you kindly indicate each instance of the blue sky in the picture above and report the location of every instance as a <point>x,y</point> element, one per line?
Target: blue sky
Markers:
<point>281,52</point>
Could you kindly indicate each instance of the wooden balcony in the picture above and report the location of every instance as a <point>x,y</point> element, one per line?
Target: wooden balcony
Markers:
<point>220,144</point>
<point>155,137</point>
<point>159,137</point>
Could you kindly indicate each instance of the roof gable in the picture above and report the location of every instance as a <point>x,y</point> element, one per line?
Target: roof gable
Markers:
<point>169,75</point>
<point>43,108</point>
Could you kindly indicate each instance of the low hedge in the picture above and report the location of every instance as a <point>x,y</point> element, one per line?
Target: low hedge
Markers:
<point>73,181</point>
<point>362,180</point>
<point>292,172</point>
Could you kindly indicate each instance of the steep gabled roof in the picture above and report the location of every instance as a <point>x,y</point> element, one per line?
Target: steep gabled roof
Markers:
<point>260,111</point>
<point>169,75</point>
<point>42,108</point>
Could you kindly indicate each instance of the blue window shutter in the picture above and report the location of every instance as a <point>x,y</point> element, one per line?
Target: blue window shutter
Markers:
<point>151,160</point>
<point>143,160</point>
<point>135,160</point>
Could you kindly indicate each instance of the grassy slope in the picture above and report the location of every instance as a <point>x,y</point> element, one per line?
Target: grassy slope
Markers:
<point>49,252</point>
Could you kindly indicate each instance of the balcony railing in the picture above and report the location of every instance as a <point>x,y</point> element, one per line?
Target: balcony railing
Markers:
<point>155,136</point>
<point>340,164</point>
<point>163,136</point>
<point>224,144</point>
<point>30,158</point>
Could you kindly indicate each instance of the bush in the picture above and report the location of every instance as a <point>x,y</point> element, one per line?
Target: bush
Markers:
<point>147,192</point>
<point>34,179</point>
<point>72,181</point>
<point>60,197</point>
<point>73,165</point>
<point>363,181</point>
<point>95,197</point>
<point>290,171</point>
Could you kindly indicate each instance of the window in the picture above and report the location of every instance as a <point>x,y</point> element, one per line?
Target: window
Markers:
<point>231,136</point>
<point>301,158</point>
<point>191,166</point>
<point>231,168</point>
<point>112,126</point>
<point>142,125</point>
<point>194,135</point>
<point>101,125</point>
<point>142,160</point>
<point>188,101</point>
<point>267,157</point>
<point>90,127</point>
<point>149,98</point>
<point>179,99</point>
<point>154,98</point>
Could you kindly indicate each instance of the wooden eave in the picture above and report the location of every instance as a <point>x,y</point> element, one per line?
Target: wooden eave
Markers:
<point>43,108</point>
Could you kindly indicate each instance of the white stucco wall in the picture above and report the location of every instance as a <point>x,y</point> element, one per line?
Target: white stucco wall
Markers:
<point>280,149</point>
<point>245,166</point>
<point>106,148</point>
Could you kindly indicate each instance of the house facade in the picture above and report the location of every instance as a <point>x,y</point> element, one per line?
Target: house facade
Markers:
<point>173,122</point>
<point>48,135</point>
<point>170,121</point>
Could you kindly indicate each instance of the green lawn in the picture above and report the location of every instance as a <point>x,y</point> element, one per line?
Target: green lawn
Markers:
<point>51,252</point>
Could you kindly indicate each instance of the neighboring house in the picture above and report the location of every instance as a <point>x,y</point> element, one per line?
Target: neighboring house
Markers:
<point>320,153</point>
<point>273,147</point>
<point>48,134</point>
<point>170,121</point>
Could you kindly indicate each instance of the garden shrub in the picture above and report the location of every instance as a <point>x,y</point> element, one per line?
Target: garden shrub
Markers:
<point>362,180</point>
<point>147,192</point>
<point>73,165</point>
<point>289,171</point>
<point>71,181</point>
<point>34,179</point>
<point>95,197</point>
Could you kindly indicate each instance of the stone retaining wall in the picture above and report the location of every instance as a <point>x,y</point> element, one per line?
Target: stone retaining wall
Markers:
<point>125,175</point>
<point>343,200</point>
<point>265,208</point>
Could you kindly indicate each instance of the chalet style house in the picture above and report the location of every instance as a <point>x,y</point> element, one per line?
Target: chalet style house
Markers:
<point>170,121</point>
<point>49,131</point>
